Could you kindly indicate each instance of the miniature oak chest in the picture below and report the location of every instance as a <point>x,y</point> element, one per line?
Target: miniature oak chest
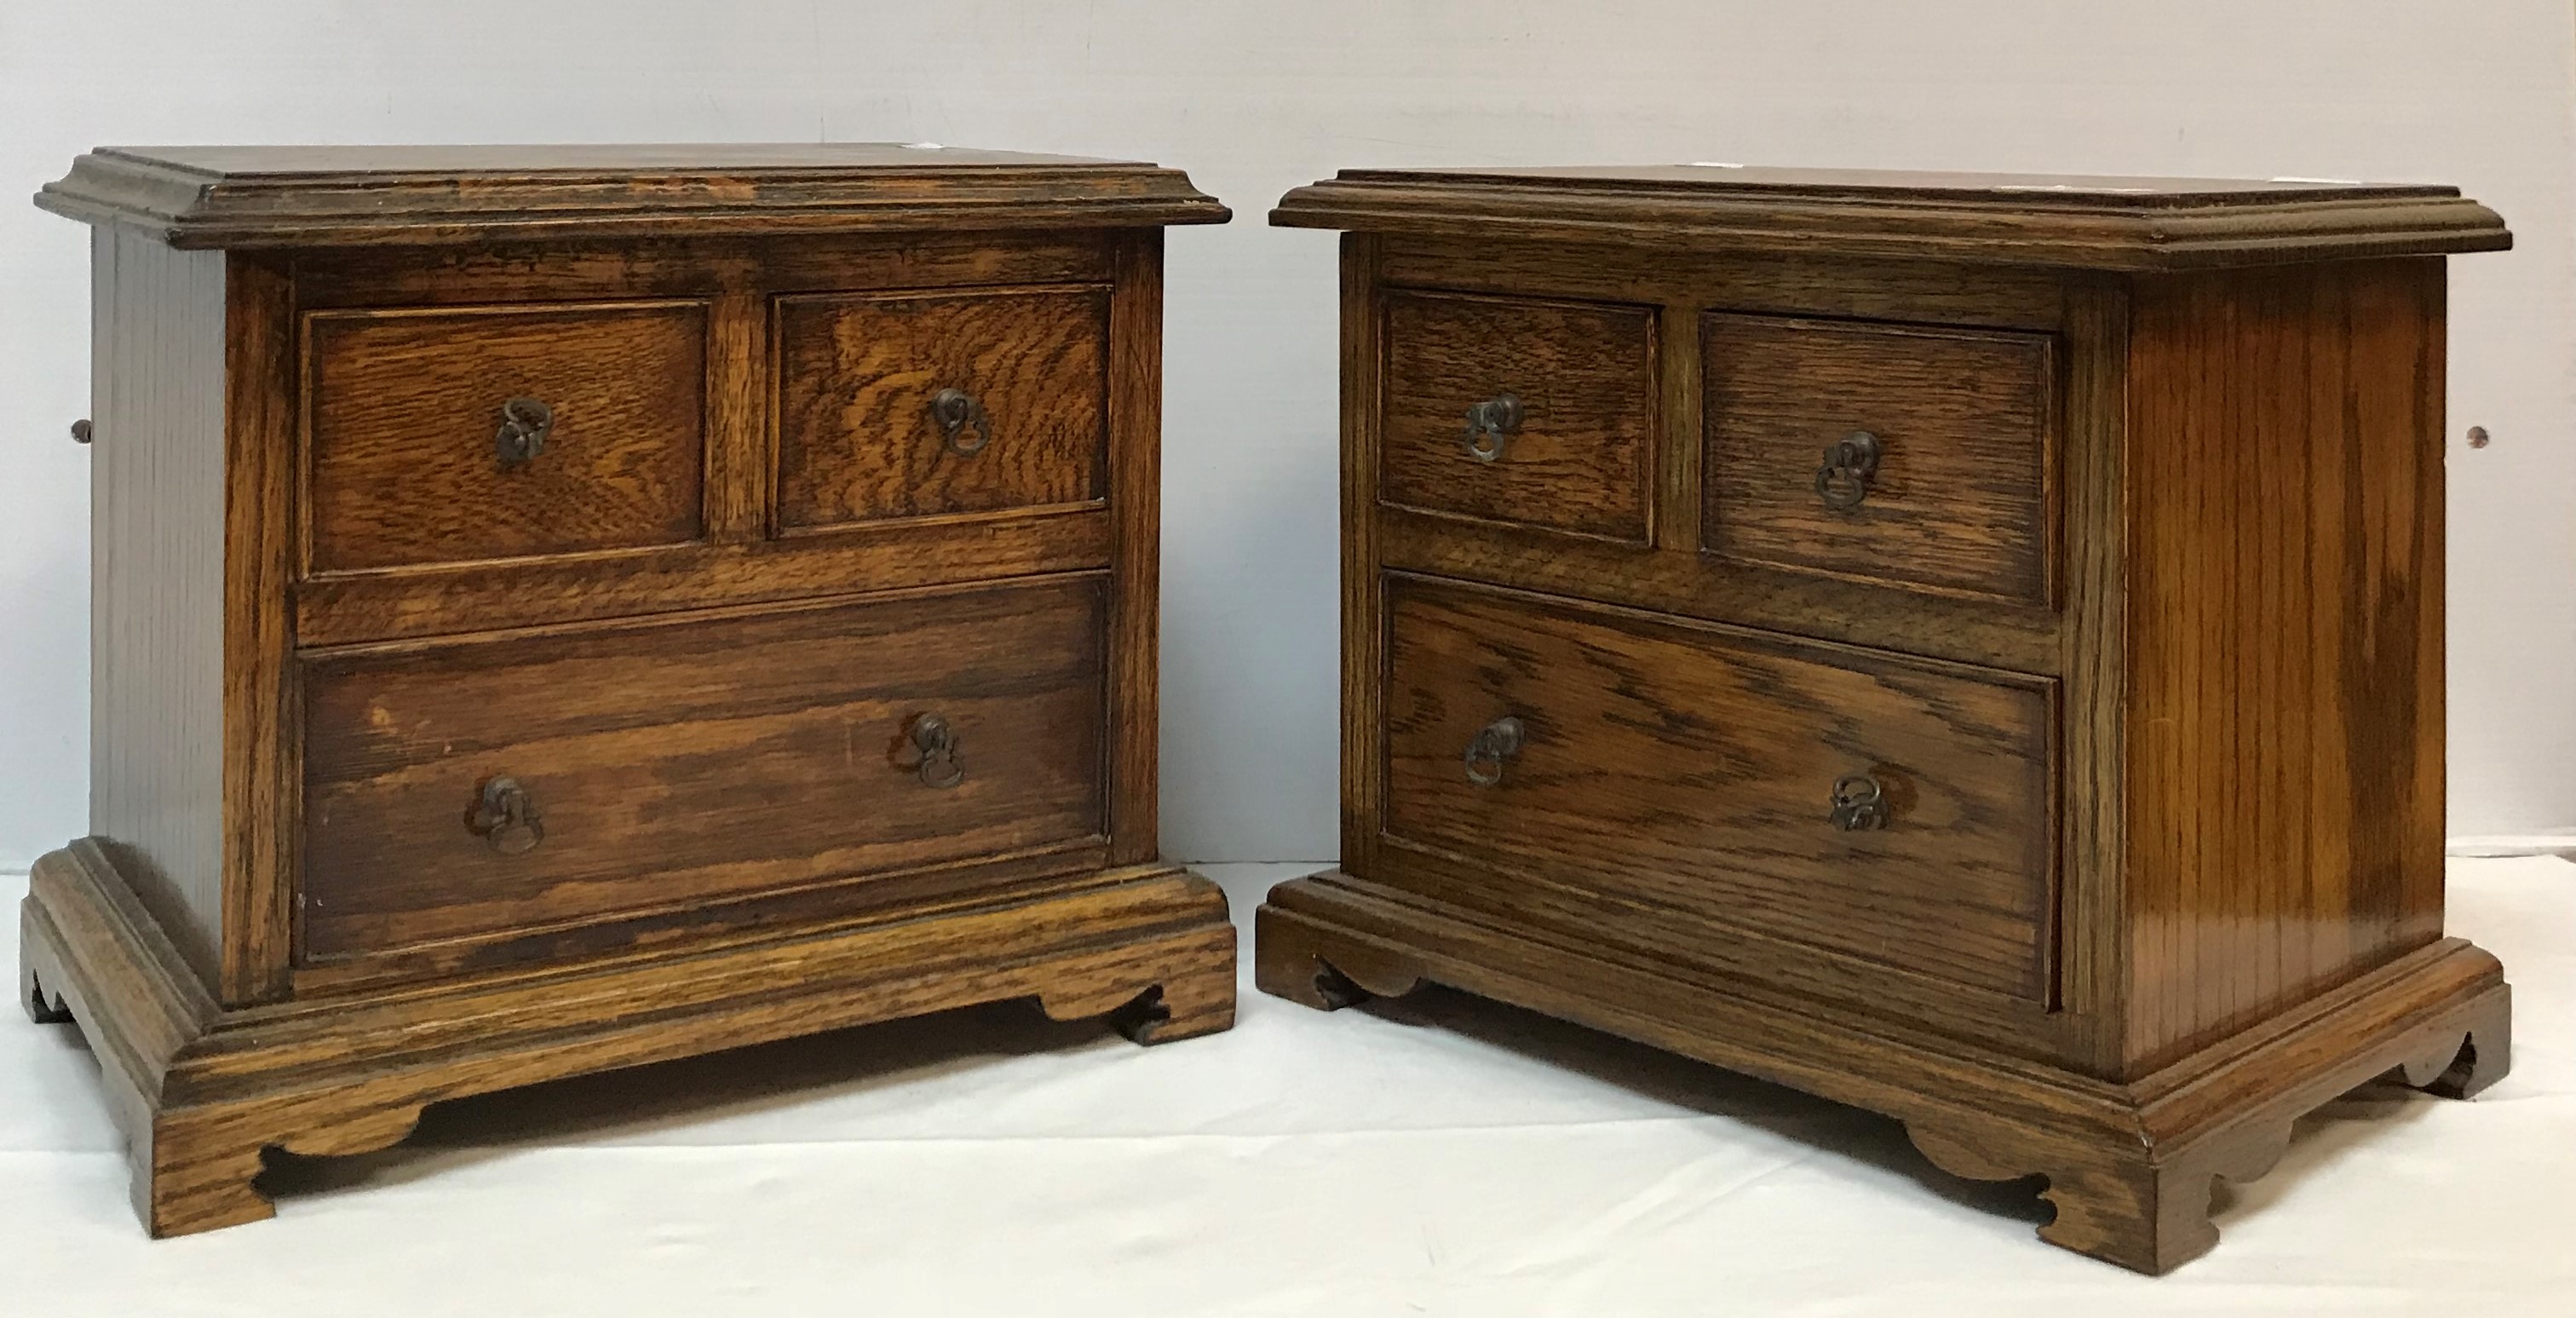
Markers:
<point>558,608</point>
<point>1968,647</point>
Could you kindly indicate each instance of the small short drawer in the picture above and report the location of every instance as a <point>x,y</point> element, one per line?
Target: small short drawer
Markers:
<point>931,404</point>
<point>501,432</point>
<point>484,788</point>
<point>1917,456</point>
<point>1886,812</point>
<point>1539,414</point>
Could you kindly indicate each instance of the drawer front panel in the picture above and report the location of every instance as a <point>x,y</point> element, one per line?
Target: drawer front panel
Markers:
<point>923,405</point>
<point>1958,493</point>
<point>1693,775</point>
<point>406,409</point>
<point>688,761</point>
<point>1568,397</point>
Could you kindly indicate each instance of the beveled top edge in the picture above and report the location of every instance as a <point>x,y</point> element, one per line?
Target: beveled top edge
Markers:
<point>558,160</point>
<point>279,196</point>
<point>2104,223</point>
<point>2116,192</point>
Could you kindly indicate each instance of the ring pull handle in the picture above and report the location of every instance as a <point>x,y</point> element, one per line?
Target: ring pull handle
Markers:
<point>1859,803</point>
<point>1850,464</point>
<point>957,414</point>
<point>1491,425</point>
<point>1496,742</point>
<point>525,423</point>
<point>941,765</point>
<point>505,816</point>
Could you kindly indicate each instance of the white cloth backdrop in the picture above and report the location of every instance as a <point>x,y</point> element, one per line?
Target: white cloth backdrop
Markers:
<point>1443,1156</point>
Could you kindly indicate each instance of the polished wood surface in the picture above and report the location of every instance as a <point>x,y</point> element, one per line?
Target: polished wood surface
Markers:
<point>2130,1167</point>
<point>447,599</point>
<point>157,581</point>
<point>405,406</point>
<point>1960,498</point>
<point>2284,640</point>
<point>856,437</point>
<point>200,1091</point>
<point>2026,220</point>
<point>2175,701</point>
<point>396,708</point>
<point>1689,773</point>
<point>305,197</point>
<point>691,760</point>
<point>1576,460</point>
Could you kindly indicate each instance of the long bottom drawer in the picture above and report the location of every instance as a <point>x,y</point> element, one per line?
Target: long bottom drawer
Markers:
<point>470,790</point>
<point>1889,816</point>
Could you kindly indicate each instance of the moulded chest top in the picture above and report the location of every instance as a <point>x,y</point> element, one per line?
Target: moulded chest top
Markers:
<point>301,196</point>
<point>2058,220</point>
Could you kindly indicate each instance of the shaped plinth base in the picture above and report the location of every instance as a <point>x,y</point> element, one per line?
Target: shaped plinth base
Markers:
<point>2131,1168</point>
<point>201,1091</point>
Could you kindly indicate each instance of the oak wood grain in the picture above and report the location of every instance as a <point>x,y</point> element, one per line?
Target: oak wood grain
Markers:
<point>594,269</point>
<point>1134,465</point>
<point>2087,223</point>
<point>1916,290</point>
<point>1963,496</point>
<point>334,612</point>
<point>2130,1168</point>
<point>2284,653</point>
<point>1363,583</point>
<point>199,1091</point>
<point>2092,671</point>
<point>1691,772</point>
<point>701,759</point>
<point>158,583</point>
<point>404,407</point>
<point>2193,519</point>
<point>1579,461</point>
<point>682,920</point>
<point>1888,615</point>
<point>261,745</point>
<point>735,507</point>
<point>440,600</point>
<point>411,195</point>
<point>856,373</point>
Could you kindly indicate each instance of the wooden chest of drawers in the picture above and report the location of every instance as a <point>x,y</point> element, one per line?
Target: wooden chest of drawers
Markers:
<point>563,608</point>
<point>1966,647</point>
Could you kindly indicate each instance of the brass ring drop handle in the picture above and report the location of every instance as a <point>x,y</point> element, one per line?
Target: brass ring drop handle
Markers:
<point>1850,464</point>
<point>1859,803</point>
<point>1496,742</point>
<point>525,423</point>
<point>1491,425</point>
<point>956,413</point>
<point>506,816</point>
<point>941,764</point>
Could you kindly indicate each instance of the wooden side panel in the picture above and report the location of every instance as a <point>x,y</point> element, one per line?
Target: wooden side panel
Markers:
<point>157,584</point>
<point>1136,518</point>
<point>1363,588</point>
<point>857,440</point>
<point>2284,708</point>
